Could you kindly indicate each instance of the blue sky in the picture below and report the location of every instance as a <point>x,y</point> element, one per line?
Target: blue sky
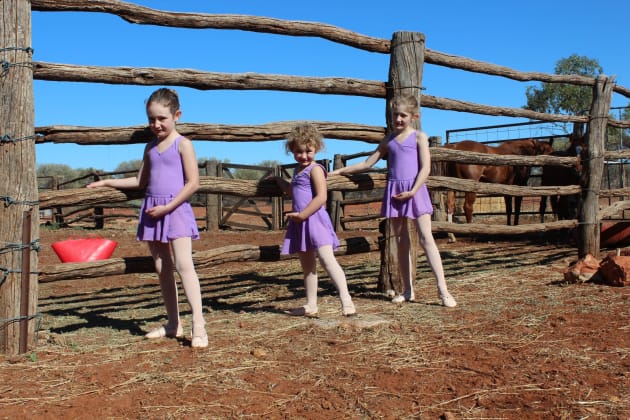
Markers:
<point>526,36</point>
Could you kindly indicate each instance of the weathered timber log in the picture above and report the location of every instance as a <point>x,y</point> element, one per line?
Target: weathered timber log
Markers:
<point>614,209</point>
<point>253,81</point>
<point>205,132</point>
<point>147,16</point>
<point>589,231</point>
<point>615,192</point>
<point>481,228</point>
<point>18,178</point>
<point>201,259</point>
<point>251,188</point>
<point>446,104</point>
<point>441,154</point>
<point>621,154</point>
<point>204,80</point>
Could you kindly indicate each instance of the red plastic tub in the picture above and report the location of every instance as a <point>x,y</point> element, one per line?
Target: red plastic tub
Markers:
<point>84,249</point>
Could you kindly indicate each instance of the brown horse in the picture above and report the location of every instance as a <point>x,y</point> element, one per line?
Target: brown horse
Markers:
<point>564,207</point>
<point>497,174</point>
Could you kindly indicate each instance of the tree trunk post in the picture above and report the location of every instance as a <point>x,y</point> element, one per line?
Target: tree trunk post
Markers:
<point>212,201</point>
<point>277,204</point>
<point>589,227</point>
<point>405,77</point>
<point>18,189</point>
<point>336,197</point>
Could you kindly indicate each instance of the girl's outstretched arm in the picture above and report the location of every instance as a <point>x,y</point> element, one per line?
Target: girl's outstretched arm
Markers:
<point>133,182</point>
<point>380,152</point>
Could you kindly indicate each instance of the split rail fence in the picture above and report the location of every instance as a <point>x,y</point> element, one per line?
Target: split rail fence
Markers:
<point>407,57</point>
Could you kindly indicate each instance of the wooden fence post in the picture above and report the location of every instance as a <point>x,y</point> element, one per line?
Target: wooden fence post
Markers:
<point>405,77</point>
<point>99,214</point>
<point>589,227</point>
<point>18,191</point>
<point>438,198</point>
<point>277,204</point>
<point>335,210</point>
<point>212,201</point>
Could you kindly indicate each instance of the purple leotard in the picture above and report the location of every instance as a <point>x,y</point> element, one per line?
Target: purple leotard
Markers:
<point>317,230</point>
<point>165,181</point>
<point>403,163</point>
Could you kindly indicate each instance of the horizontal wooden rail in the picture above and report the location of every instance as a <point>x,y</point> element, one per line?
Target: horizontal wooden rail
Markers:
<point>201,259</point>
<point>204,132</point>
<point>250,188</point>
<point>204,80</point>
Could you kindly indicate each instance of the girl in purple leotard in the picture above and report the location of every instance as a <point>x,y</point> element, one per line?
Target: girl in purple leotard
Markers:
<point>170,175</point>
<point>310,232</point>
<point>406,194</point>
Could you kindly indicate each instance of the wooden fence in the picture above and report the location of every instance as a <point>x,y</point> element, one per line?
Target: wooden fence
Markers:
<point>407,56</point>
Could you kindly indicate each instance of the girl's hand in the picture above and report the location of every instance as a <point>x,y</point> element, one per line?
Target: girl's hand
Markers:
<point>295,216</point>
<point>157,211</point>
<point>403,196</point>
<point>95,184</point>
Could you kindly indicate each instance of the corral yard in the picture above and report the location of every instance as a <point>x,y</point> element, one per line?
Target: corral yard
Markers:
<point>522,344</point>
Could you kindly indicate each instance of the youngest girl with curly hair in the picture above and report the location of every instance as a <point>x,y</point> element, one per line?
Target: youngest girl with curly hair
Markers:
<point>310,232</point>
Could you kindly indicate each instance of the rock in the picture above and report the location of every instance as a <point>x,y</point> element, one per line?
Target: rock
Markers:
<point>582,270</point>
<point>615,270</point>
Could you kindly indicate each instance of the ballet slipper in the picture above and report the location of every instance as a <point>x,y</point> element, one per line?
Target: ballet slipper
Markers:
<point>348,309</point>
<point>302,311</point>
<point>448,300</point>
<point>165,332</point>
<point>199,340</point>
<point>406,297</point>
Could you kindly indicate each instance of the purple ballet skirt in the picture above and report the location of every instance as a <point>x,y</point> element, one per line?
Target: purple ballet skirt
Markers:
<point>403,167</point>
<point>165,181</point>
<point>317,230</point>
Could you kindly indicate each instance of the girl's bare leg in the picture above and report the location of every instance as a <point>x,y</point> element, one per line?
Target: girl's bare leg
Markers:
<point>338,277</point>
<point>182,250</point>
<point>309,268</point>
<point>423,225</point>
<point>161,253</point>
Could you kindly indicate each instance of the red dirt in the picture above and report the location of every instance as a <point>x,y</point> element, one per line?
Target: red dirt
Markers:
<point>522,344</point>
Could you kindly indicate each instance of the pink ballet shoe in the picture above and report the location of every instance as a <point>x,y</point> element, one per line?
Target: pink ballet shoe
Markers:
<point>165,332</point>
<point>303,311</point>
<point>448,300</point>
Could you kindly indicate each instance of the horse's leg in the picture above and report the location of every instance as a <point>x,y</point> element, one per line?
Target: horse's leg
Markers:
<point>468,206</point>
<point>555,207</point>
<point>518,201</point>
<point>542,208</point>
<point>508,208</point>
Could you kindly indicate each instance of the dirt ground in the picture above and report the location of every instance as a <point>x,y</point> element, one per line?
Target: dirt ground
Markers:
<point>522,344</point>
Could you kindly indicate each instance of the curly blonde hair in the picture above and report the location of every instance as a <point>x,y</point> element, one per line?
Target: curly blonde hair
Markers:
<point>304,135</point>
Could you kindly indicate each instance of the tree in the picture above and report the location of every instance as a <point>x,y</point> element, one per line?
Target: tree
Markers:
<point>555,98</point>
<point>129,166</point>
